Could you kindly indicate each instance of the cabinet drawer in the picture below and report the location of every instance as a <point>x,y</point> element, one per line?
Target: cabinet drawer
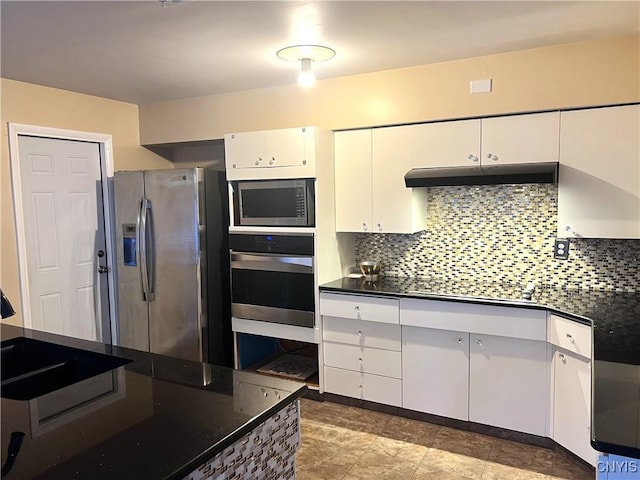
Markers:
<point>514,322</point>
<point>362,359</point>
<point>365,386</point>
<point>359,307</point>
<point>361,333</point>
<point>570,335</point>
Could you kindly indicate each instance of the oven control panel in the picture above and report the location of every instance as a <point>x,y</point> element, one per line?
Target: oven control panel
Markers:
<point>268,243</point>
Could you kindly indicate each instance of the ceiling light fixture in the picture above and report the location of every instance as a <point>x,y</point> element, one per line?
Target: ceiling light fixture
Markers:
<point>306,54</point>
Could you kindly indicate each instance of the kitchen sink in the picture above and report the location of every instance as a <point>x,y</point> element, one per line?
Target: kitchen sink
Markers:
<point>31,368</point>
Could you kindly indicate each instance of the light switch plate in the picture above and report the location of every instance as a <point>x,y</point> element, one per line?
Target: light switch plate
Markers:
<point>561,249</point>
<point>481,86</point>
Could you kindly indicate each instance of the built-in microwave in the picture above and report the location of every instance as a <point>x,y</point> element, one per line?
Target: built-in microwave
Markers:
<point>285,203</point>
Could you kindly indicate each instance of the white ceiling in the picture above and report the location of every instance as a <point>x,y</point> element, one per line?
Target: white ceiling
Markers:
<point>143,52</point>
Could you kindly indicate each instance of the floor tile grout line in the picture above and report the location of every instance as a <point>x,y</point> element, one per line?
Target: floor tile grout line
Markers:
<point>359,457</point>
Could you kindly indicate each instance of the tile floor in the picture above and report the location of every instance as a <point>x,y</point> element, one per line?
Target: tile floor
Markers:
<point>341,442</point>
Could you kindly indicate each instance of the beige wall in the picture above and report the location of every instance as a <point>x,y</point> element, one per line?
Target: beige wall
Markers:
<point>571,75</point>
<point>36,105</point>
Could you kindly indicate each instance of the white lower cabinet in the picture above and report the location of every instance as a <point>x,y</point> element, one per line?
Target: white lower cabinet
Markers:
<point>435,372</point>
<point>572,404</point>
<point>362,359</point>
<point>364,386</point>
<point>506,367</point>
<point>508,383</point>
<point>482,363</point>
<point>571,370</point>
<point>361,347</point>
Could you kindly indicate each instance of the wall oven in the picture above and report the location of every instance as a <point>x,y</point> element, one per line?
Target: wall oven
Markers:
<point>285,203</point>
<point>272,278</point>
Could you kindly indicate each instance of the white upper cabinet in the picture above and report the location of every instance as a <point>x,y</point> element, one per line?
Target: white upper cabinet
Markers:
<point>599,178</point>
<point>530,138</point>
<point>371,195</point>
<point>283,153</point>
<point>352,156</point>
<point>245,150</point>
<point>446,144</point>
<point>396,208</point>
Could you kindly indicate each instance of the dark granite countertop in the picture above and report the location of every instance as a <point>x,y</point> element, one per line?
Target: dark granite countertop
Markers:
<point>153,418</point>
<point>615,320</point>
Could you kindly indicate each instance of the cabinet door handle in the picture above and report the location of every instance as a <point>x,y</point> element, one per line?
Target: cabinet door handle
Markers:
<point>479,342</point>
<point>570,337</point>
<point>562,357</point>
<point>360,333</point>
<point>472,157</point>
<point>272,161</point>
<point>364,226</point>
<point>379,227</point>
<point>459,340</point>
<point>493,157</point>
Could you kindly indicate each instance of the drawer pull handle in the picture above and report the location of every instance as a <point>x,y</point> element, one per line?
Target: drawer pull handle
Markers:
<point>570,337</point>
<point>459,340</point>
<point>562,357</point>
<point>360,359</point>
<point>360,387</point>
<point>478,342</point>
<point>357,308</point>
<point>359,333</point>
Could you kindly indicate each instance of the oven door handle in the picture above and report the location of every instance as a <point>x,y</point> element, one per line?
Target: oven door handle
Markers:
<point>271,263</point>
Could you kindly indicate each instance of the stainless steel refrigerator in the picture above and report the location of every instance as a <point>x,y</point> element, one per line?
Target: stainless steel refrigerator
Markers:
<point>172,263</point>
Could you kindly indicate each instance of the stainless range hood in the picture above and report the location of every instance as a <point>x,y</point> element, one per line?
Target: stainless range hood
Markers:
<point>489,175</point>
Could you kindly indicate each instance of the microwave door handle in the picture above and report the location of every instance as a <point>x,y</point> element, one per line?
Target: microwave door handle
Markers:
<point>275,263</point>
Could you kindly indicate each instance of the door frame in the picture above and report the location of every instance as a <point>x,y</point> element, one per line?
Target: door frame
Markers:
<point>106,170</point>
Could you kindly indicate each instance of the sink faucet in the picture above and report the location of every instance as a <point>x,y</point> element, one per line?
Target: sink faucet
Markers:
<point>528,291</point>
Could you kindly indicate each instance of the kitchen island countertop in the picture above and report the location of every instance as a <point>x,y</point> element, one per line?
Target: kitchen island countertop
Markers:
<point>154,418</point>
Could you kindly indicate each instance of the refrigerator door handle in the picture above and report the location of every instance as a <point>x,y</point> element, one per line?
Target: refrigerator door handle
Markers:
<point>150,261</point>
<point>147,295</point>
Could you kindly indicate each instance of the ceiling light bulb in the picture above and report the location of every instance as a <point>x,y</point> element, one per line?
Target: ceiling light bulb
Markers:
<point>306,78</point>
<point>305,54</point>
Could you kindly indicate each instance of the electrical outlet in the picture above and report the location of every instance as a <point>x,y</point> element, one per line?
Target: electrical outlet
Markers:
<point>561,249</point>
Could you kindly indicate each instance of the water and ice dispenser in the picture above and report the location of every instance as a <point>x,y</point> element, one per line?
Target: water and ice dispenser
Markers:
<point>129,244</point>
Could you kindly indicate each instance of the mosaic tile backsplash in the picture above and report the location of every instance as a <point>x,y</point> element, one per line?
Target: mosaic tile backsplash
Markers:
<point>501,234</point>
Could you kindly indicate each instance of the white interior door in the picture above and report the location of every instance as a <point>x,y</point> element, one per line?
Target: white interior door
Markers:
<point>64,236</point>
